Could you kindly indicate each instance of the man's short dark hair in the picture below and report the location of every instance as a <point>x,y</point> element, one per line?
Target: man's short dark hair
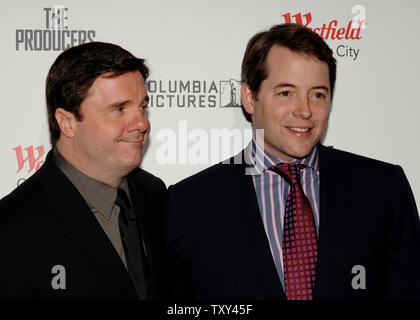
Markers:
<point>75,70</point>
<point>293,36</point>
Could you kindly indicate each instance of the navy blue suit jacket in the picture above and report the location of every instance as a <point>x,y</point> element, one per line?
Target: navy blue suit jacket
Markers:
<point>218,249</point>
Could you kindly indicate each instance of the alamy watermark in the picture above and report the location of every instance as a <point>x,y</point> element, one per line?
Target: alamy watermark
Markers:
<point>359,280</point>
<point>198,146</point>
<point>58,281</point>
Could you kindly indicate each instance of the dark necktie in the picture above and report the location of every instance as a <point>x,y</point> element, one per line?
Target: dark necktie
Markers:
<point>299,237</point>
<point>134,255</point>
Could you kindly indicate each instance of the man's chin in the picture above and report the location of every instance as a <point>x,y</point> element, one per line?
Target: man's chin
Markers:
<point>131,164</point>
<point>301,153</point>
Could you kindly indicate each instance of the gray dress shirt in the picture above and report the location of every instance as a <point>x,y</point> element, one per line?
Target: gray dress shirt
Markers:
<point>100,198</point>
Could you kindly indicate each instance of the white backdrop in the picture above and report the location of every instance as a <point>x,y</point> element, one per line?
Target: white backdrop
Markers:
<point>194,49</point>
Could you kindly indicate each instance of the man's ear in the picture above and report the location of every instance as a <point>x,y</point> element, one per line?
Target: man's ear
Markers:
<point>248,99</point>
<point>66,121</point>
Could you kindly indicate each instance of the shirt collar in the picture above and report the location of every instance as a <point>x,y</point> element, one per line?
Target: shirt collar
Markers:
<point>98,195</point>
<point>261,160</point>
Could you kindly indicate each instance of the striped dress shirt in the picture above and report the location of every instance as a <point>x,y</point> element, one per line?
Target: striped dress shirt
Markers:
<point>272,191</point>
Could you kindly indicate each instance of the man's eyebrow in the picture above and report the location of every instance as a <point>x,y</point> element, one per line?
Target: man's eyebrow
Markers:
<point>123,103</point>
<point>321,87</point>
<point>118,104</point>
<point>280,85</point>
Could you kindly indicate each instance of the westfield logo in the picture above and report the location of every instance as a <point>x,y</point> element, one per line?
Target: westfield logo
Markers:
<point>331,29</point>
<point>30,155</point>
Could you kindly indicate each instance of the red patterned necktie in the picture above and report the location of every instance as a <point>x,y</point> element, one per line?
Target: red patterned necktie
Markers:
<point>299,237</point>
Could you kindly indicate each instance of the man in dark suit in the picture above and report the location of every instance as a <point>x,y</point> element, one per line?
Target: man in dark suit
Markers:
<point>87,224</point>
<point>289,218</point>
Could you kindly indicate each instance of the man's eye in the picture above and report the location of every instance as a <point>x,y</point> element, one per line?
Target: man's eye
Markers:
<point>320,95</point>
<point>284,93</point>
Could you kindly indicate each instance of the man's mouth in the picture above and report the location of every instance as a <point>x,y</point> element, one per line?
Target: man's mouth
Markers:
<point>300,129</point>
<point>138,139</point>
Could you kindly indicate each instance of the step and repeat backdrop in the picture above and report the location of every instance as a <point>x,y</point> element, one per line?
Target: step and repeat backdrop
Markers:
<point>194,49</point>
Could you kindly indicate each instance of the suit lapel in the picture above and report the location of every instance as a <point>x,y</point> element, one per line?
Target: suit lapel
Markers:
<point>141,204</point>
<point>83,230</point>
<point>142,208</point>
<point>149,221</point>
<point>332,207</point>
<point>250,233</point>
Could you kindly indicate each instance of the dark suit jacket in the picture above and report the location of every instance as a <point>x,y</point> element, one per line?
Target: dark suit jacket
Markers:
<point>46,222</point>
<point>218,249</point>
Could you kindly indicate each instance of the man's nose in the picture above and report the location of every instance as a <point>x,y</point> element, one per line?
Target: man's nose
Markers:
<point>138,120</point>
<point>302,108</point>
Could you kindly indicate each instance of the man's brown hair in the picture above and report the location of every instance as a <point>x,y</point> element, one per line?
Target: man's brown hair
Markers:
<point>293,36</point>
<point>75,70</point>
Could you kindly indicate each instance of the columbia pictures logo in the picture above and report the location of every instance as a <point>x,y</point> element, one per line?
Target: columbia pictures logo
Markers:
<point>194,93</point>
<point>230,93</point>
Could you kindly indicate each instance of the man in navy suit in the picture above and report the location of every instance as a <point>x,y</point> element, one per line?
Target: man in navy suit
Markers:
<point>289,218</point>
<point>87,224</point>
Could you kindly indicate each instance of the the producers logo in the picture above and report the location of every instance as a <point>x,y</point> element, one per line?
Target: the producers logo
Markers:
<point>194,93</point>
<point>56,35</point>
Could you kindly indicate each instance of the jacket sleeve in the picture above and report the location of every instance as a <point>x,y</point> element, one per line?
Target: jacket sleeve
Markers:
<point>403,260</point>
<point>175,226</point>
<point>12,282</point>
